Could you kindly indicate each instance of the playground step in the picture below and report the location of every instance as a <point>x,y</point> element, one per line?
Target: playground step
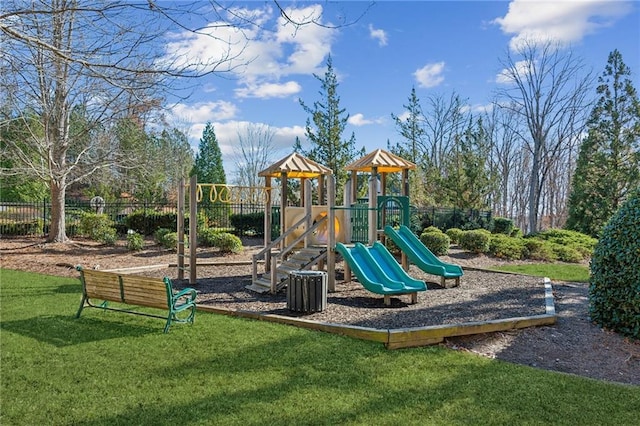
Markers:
<point>302,259</point>
<point>261,285</point>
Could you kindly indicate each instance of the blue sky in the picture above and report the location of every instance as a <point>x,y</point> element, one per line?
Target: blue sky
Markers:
<point>438,47</point>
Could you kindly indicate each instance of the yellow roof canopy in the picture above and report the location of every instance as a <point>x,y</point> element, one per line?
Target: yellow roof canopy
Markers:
<point>383,161</point>
<point>295,166</point>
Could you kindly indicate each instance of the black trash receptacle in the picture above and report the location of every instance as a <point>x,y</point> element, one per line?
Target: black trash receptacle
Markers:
<point>307,291</point>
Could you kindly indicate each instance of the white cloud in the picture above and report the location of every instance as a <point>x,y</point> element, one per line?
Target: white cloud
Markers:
<point>430,75</point>
<point>309,44</point>
<point>521,68</point>
<point>359,120</point>
<point>477,108</point>
<point>264,52</point>
<point>227,136</point>
<point>204,111</point>
<point>269,90</point>
<point>561,21</point>
<point>379,35</point>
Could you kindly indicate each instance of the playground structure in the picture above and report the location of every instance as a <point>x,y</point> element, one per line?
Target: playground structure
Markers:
<point>310,235</point>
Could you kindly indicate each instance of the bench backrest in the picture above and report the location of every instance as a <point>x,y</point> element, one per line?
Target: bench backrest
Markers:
<point>145,291</point>
<point>101,285</point>
<point>131,289</point>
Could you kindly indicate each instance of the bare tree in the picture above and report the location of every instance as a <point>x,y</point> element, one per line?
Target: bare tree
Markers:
<point>547,89</point>
<point>254,152</point>
<point>107,59</point>
<point>505,152</point>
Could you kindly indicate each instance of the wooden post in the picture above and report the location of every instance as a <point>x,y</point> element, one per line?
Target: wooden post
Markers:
<point>283,205</point>
<point>405,192</point>
<point>373,205</point>
<point>354,187</point>
<point>331,241</point>
<point>321,191</point>
<point>307,209</point>
<point>180,229</point>
<point>193,228</point>
<point>267,223</point>
<point>347,201</point>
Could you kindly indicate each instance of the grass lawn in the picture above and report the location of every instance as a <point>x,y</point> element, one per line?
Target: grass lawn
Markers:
<point>108,368</point>
<point>554,271</point>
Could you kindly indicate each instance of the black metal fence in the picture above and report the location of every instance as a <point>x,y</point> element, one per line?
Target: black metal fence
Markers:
<point>33,218</point>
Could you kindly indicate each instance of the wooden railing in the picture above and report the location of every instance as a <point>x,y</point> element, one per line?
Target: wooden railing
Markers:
<point>271,259</point>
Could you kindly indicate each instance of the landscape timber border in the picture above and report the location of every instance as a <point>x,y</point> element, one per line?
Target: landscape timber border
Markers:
<point>407,337</point>
<point>396,338</point>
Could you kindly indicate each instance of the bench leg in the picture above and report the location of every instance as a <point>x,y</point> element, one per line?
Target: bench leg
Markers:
<point>168,324</point>
<point>82,302</point>
<point>414,297</point>
<point>442,282</point>
<point>387,300</point>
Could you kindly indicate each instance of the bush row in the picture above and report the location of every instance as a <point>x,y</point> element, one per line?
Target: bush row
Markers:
<point>550,245</point>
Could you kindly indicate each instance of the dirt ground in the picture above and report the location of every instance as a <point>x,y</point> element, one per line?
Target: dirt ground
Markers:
<point>573,345</point>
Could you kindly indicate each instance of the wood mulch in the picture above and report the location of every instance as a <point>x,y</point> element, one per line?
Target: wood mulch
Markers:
<point>573,345</point>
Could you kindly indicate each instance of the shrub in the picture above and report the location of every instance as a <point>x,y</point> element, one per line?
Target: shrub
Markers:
<point>250,223</point>
<point>431,229</point>
<point>614,287</point>
<point>503,225</point>
<point>146,221</point>
<point>159,234</point>
<point>108,236</point>
<point>537,249</point>
<point>208,237</point>
<point>567,253</point>
<point>170,241</point>
<point>228,243</point>
<point>10,227</point>
<point>476,241</point>
<point>516,233</point>
<point>455,234</point>
<point>98,227</point>
<point>582,243</point>
<point>505,247</point>
<point>438,242</point>
<point>135,241</point>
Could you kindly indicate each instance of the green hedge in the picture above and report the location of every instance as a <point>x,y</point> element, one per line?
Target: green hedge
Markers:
<point>505,247</point>
<point>455,234</point>
<point>614,287</point>
<point>32,227</point>
<point>476,241</point>
<point>98,227</point>
<point>147,221</point>
<point>248,224</point>
<point>503,225</point>
<point>436,241</point>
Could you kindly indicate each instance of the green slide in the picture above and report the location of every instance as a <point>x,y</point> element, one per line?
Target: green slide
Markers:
<point>375,271</point>
<point>420,255</point>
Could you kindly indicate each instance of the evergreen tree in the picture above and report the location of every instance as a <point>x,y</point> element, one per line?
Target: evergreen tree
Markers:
<point>209,169</point>
<point>469,182</point>
<point>608,165</point>
<point>325,134</point>
<point>411,128</point>
<point>208,165</point>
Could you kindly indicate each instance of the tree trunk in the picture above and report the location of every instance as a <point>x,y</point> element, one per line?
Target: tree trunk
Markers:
<point>534,192</point>
<point>57,229</point>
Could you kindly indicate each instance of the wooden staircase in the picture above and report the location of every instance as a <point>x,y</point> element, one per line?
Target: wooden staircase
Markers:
<point>301,259</point>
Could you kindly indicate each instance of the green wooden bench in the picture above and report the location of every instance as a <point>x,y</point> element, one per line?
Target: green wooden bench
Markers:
<point>137,290</point>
